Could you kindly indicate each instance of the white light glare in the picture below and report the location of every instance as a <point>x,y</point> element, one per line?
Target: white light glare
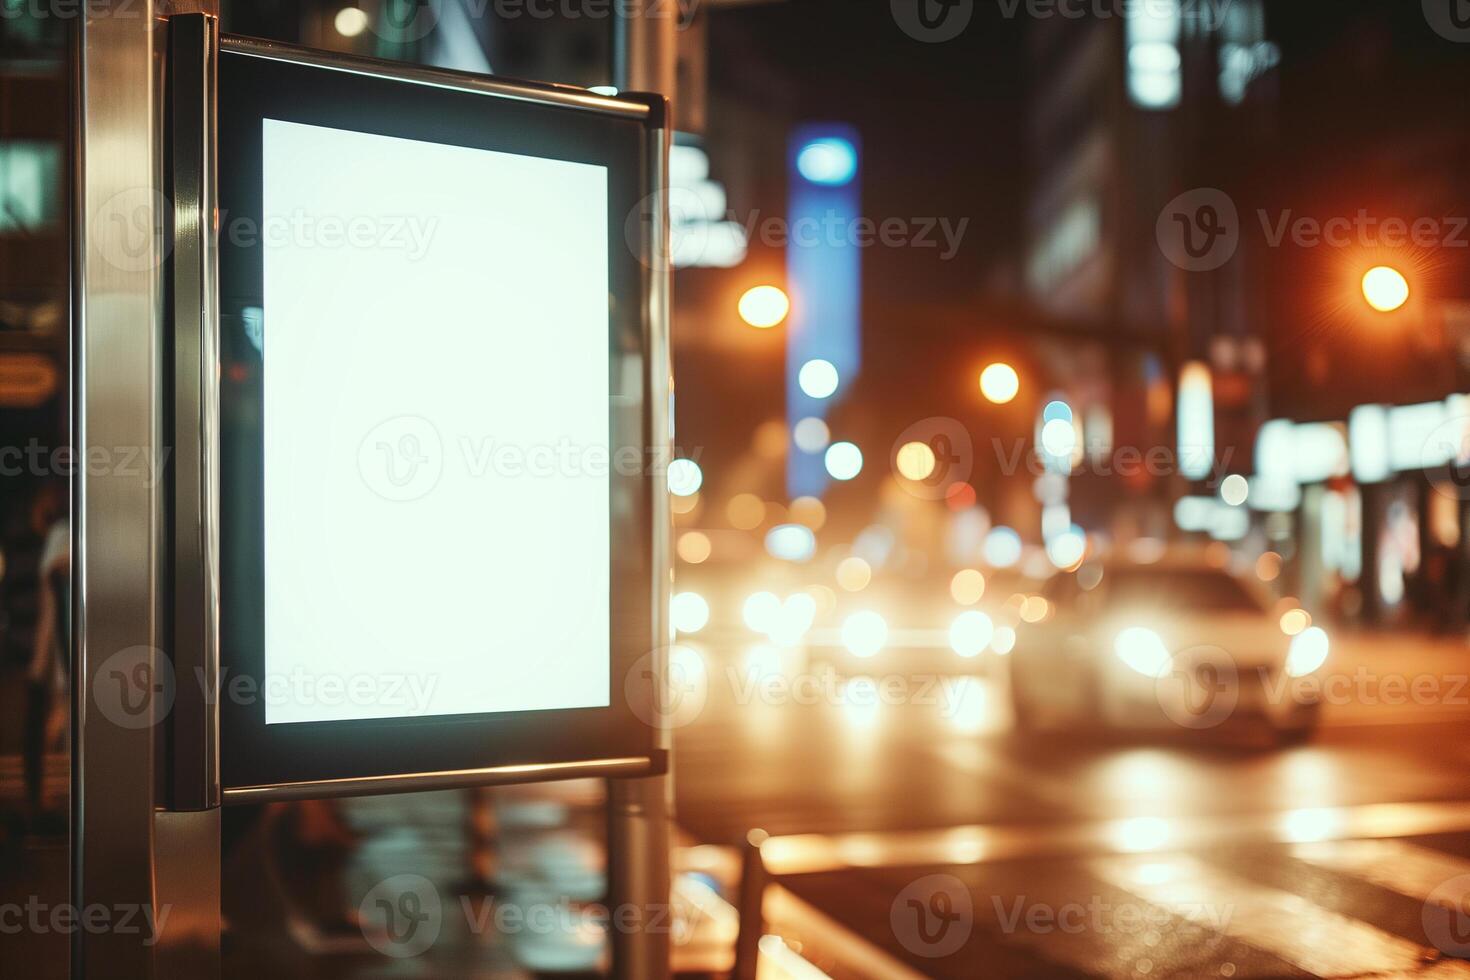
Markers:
<point>1234,489</point>
<point>350,21</point>
<point>831,162</point>
<point>1143,650</point>
<point>1308,652</point>
<point>791,542</point>
<point>864,633</point>
<point>970,633</point>
<point>844,460</point>
<point>818,378</point>
<point>1059,438</point>
<point>1002,547</point>
<point>761,611</point>
<point>685,478</point>
<point>689,612</point>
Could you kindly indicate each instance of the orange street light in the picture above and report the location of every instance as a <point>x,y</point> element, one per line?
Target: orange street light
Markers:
<point>764,306</point>
<point>999,383</point>
<point>1385,288</point>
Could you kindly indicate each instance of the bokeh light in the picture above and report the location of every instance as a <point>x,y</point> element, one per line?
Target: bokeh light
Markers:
<point>1294,621</point>
<point>685,477</point>
<point>864,633</point>
<point>760,611</point>
<point>818,378</point>
<point>689,612</point>
<point>967,587</point>
<point>694,547</point>
<point>1234,489</point>
<point>831,162</point>
<point>999,383</point>
<point>970,633</point>
<point>854,574</point>
<point>1385,288</point>
<point>809,511</point>
<point>1059,438</point>
<point>745,511</point>
<point>915,461</point>
<point>1002,547</point>
<point>791,542</point>
<point>350,21</point>
<point>844,460</point>
<point>811,435</point>
<point>764,307</point>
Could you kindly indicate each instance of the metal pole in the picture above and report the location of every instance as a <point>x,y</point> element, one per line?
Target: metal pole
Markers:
<point>645,49</point>
<point>640,810</point>
<point>122,684</point>
<point>752,904</point>
<point>117,240</point>
<point>638,877</point>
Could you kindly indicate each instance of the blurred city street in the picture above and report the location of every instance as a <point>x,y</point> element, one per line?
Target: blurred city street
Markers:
<point>1194,853</point>
<point>734,489</point>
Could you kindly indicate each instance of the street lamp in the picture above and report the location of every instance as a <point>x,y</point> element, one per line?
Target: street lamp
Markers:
<point>1385,288</point>
<point>764,306</point>
<point>999,383</point>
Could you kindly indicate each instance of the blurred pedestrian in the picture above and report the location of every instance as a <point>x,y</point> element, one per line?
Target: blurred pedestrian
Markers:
<point>49,675</point>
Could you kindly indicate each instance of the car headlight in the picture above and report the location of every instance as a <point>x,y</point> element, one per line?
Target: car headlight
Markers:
<point>971,633</point>
<point>864,633</point>
<point>1307,653</point>
<point>1144,651</point>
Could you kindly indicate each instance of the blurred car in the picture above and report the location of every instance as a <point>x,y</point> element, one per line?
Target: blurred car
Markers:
<point>1177,643</point>
<point>922,622</point>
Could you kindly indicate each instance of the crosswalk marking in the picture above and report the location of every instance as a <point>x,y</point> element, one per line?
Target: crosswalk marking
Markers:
<point>1399,866</point>
<point>1284,924</point>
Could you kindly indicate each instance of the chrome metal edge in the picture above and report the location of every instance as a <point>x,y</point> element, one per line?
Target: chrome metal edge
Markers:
<point>192,776</point>
<point>640,810</point>
<point>117,331</point>
<point>659,286</point>
<point>514,89</point>
<point>451,779</point>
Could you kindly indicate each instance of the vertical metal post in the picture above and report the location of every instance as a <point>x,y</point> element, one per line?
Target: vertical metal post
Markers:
<point>645,49</point>
<point>123,685</point>
<point>118,250</point>
<point>638,845</point>
<point>751,908</point>
<point>640,810</point>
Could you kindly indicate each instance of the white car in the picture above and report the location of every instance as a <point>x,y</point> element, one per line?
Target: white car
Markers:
<point>1177,643</point>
